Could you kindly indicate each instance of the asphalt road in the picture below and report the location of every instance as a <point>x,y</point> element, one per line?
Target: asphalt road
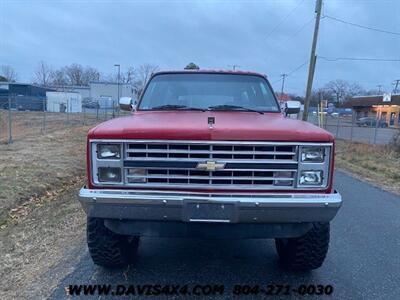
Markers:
<point>363,260</point>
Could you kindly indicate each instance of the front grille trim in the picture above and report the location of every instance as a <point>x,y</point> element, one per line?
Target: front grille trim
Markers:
<point>246,165</point>
<point>239,157</point>
<point>173,151</point>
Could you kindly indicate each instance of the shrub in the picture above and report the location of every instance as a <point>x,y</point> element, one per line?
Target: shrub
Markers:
<point>395,142</point>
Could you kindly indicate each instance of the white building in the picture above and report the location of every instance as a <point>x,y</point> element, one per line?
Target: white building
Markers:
<point>84,91</point>
<point>106,93</point>
<point>70,102</point>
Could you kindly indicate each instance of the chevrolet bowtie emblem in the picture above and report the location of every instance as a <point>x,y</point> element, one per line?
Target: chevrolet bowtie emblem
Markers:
<point>210,166</point>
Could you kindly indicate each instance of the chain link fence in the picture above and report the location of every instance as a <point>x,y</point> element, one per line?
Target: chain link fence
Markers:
<point>349,127</point>
<point>22,116</point>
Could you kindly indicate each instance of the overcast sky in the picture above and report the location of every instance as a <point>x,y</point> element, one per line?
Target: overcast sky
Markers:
<point>271,37</point>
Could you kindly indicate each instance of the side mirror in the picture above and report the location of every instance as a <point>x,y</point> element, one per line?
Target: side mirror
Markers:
<point>292,107</point>
<point>126,103</point>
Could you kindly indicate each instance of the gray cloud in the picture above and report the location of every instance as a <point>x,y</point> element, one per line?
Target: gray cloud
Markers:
<point>214,34</point>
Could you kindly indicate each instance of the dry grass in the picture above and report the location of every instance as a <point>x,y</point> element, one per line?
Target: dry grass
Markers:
<point>377,164</point>
<point>33,123</point>
<point>41,217</point>
<point>30,167</point>
<point>35,243</point>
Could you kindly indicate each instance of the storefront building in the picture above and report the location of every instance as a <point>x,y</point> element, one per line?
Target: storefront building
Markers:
<point>386,107</point>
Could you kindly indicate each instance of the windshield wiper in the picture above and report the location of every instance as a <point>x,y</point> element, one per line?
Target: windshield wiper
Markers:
<point>233,107</point>
<point>176,107</point>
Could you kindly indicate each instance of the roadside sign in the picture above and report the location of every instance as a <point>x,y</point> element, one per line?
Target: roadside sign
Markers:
<point>387,97</point>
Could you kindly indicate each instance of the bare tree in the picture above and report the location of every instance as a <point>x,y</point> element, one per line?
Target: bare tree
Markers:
<point>322,94</point>
<point>8,73</point>
<point>373,92</point>
<point>74,74</point>
<point>90,74</point>
<point>355,89</point>
<point>339,89</point>
<point>42,74</point>
<point>342,90</point>
<point>130,75</point>
<point>78,75</point>
<point>59,78</point>
<point>125,77</point>
<point>143,74</point>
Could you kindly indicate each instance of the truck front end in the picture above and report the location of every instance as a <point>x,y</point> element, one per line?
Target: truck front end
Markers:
<point>185,165</point>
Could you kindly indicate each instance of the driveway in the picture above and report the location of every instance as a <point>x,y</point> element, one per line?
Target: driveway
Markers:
<point>363,260</point>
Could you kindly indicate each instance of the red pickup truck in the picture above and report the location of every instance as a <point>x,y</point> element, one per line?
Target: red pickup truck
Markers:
<point>209,154</point>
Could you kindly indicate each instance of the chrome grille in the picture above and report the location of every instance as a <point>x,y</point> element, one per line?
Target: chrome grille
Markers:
<point>254,165</point>
<point>174,151</point>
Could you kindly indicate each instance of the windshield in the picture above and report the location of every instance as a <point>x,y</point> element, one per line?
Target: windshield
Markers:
<point>208,92</point>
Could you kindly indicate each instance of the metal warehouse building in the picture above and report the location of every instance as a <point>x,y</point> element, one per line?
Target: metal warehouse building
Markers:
<point>106,93</point>
<point>24,96</point>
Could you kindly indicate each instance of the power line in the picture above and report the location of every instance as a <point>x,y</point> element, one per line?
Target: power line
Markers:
<point>291,72</point>
<point>276,81</point>
<point>297,68</point>
<point>300,30</point>
<point>284,19</point>
<point>358,59</point>
<point>362,26</point>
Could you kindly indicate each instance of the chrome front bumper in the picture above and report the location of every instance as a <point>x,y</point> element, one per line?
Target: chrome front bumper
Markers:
<point>144,205</point>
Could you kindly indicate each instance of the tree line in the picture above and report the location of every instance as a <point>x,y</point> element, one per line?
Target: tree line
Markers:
<point>78,75</point>
<point>336,91</point>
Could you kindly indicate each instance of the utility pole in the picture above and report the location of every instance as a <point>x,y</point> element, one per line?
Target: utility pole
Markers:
<point>396,84</point>
<point>313,60</point>
<point>283,82</point>
<point>119,75</point>
<point>379,86</point>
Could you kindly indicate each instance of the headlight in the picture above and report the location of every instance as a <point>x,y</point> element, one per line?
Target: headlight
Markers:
<point>107,174</point>
<point>311,178</point>
<point>312,154</point>
<point>108,151</point>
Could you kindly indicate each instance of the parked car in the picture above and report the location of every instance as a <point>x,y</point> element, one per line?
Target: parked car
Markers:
<point>91,104</point>
<point>209,154</point>
<point>371,122</point>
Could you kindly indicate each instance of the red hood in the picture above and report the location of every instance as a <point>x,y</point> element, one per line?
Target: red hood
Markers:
<point>193,125</point>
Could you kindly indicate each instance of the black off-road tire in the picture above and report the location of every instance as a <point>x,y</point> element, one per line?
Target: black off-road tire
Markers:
<point>107,248</point>
<point>306,252</point>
